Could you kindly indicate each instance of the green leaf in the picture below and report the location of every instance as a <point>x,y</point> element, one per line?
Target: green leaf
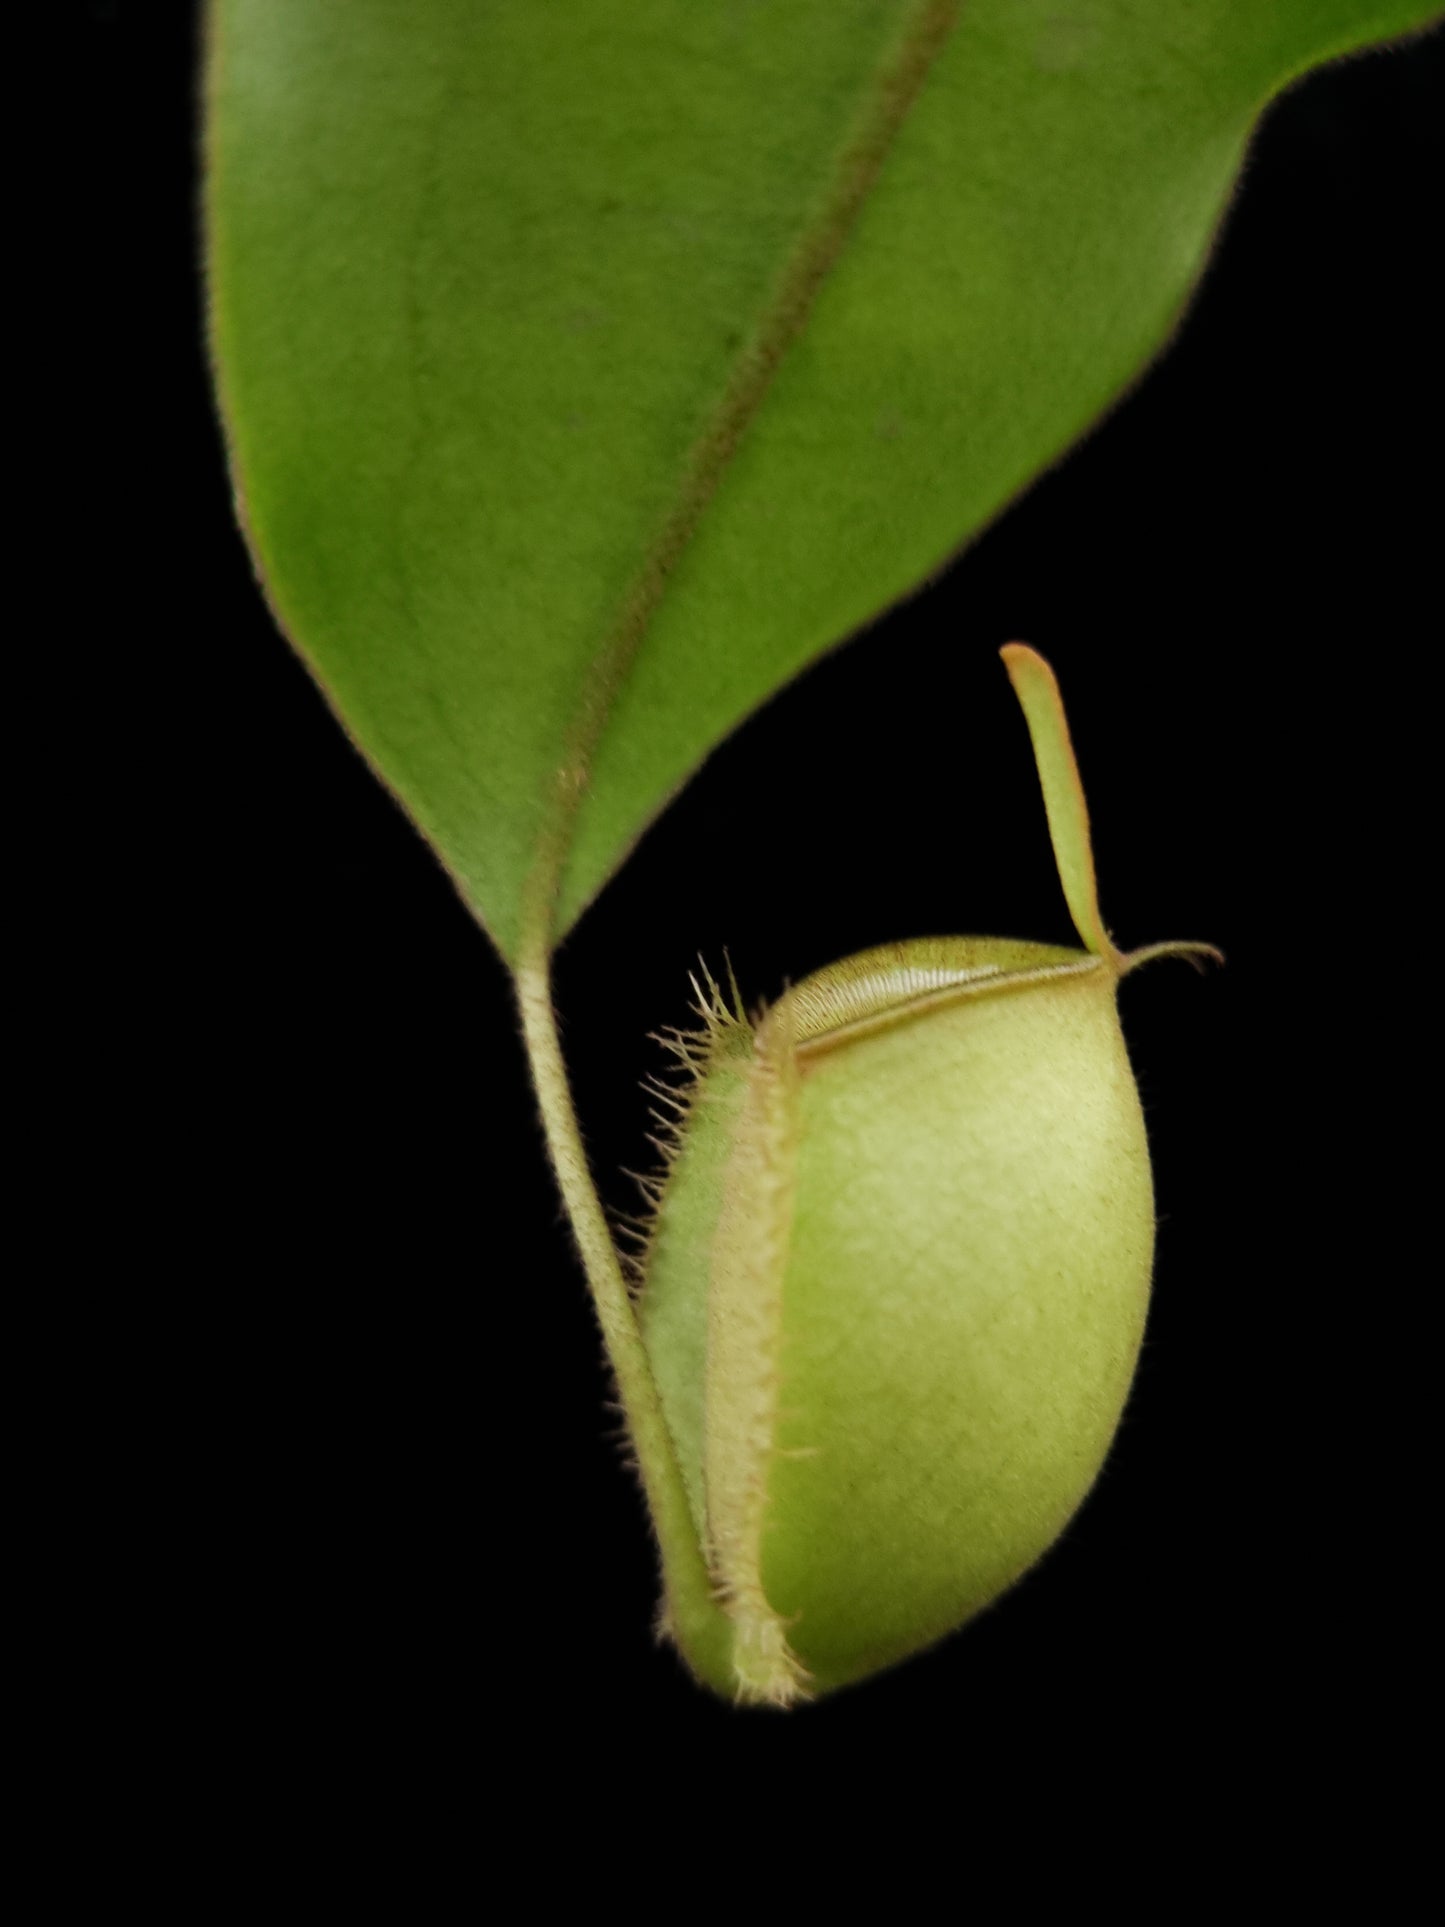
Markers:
<point>589,368</point>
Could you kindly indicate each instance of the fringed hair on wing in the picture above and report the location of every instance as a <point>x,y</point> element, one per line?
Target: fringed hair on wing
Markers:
<point>722,1025</point>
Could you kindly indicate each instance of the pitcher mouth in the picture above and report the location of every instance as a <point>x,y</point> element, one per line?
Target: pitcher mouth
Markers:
<point>897,982</point>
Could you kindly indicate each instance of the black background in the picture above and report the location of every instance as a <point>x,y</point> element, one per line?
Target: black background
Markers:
<point>380,1476</point>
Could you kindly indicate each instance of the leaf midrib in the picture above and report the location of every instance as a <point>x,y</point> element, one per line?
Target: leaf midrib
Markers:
<point>897,83</point>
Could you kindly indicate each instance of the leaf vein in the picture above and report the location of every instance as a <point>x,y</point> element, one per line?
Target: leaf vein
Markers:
<point>897,83</point>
